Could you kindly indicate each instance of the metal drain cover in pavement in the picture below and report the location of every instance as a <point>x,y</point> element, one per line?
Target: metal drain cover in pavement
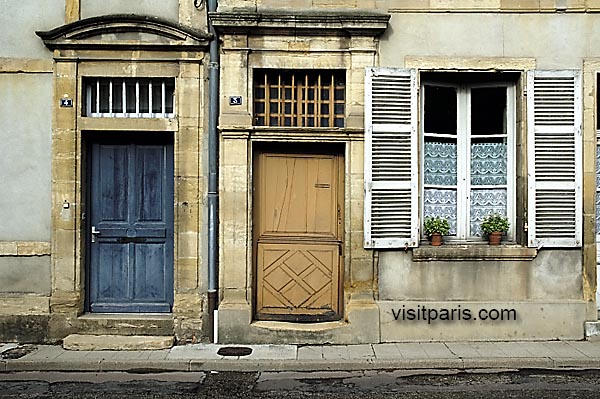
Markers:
<point>234,351</point>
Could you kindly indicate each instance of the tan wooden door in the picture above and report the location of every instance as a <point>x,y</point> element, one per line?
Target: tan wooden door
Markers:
<point>298,230</point>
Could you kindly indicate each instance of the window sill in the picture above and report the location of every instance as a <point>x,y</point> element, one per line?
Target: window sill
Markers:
<point>451,252</point>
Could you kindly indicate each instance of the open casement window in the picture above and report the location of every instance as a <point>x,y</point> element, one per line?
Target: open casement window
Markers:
<point>467,153</point>
<point>391,206</point>
<point>554,158</point>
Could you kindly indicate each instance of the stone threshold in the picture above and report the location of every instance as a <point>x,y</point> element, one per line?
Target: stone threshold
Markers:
<point>82,342</point>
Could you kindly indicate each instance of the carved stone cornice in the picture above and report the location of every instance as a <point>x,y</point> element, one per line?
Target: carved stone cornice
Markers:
<point>151,33</point>
<point>304,22</point>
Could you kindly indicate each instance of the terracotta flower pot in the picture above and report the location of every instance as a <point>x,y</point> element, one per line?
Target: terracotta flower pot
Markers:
<point>436,239</point>
<point>495,237</point>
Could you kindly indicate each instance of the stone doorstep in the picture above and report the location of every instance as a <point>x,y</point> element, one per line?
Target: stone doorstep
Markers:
<point>80,342</point>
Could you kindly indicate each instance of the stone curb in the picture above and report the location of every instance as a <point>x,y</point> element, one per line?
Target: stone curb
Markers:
<point>197,365</point>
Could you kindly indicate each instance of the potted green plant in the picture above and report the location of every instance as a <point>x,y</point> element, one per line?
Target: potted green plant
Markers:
<point>435,228</point>
<point>495,226</point>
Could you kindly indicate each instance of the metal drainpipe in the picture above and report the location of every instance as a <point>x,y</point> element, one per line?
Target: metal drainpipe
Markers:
<point>213,186</point>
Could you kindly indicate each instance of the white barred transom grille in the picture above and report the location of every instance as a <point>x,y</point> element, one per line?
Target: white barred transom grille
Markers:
<point>129,97</point>
<point>554,100</point>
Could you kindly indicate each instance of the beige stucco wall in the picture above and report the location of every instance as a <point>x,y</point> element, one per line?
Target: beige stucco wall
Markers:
<point>25,156</point>
<point>168,9</point>
<point>554,40</point>
<point>20,19</point>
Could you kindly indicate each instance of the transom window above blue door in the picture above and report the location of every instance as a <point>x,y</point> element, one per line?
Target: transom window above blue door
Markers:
<point>467,142</point>
<point>129,97</point>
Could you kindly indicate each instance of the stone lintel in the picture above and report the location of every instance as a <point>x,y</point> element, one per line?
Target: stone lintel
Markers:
<point>159,125</point>
<point>292,134</point>
<point>470,63</point>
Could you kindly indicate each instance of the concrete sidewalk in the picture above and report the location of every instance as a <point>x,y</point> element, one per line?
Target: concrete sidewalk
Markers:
<point>204,357</point>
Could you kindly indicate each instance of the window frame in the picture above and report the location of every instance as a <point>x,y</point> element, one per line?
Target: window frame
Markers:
<point>463,140</point>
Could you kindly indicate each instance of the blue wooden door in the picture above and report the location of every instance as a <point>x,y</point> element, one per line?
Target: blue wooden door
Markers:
<point>131,226</point>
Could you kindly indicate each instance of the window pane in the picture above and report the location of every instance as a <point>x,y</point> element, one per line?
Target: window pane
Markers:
<point>144,93</point>
<point>488,163</point>
<point>156,96</point>
<point>90,105</point>
<point>483,203</point>
<point>259,93</point>
<point>117,96</point>
<point>440,164</point>
<point>104,93</point>
<point>131,98</point>
<point>440,110</point>
<point>441,203</point>
<point>259,108</point>
<point>488,110</point>
<point>170,96</point>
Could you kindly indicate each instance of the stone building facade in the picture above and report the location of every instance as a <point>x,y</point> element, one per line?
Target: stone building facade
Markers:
<point>104,125</point>
<point>457,109</point>
<point>343,125</point>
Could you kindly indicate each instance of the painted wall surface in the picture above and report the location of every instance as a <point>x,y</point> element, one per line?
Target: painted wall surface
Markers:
<point>20,19</point>
<point>25,274</point>
<point>25,156</point>
<point>167,9</point>
<point>552,275</point>
<point>545,295</point>
<point>554,40</point>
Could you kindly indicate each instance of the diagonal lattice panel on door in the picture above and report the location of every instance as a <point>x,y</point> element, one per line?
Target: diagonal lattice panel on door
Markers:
<point>299,278</point>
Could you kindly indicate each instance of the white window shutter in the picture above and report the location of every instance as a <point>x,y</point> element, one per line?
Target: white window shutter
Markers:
<point>554,122</point>
<point>391,208</point>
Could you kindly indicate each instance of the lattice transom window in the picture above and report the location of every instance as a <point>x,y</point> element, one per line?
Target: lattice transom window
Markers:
<point>129,97</point>
<point>300,98</point>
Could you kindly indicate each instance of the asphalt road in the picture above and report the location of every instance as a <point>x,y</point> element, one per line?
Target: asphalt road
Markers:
<point>346,385</point>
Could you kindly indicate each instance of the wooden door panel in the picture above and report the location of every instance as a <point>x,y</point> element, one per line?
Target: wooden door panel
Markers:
<point>297,278</point>
<point>131,197</point>
<point>149,184</point>
<point>112,166</point>
<point>113,277</point>
<point>299,195</point>
<point>150,277</point>
<point>298,236</point>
